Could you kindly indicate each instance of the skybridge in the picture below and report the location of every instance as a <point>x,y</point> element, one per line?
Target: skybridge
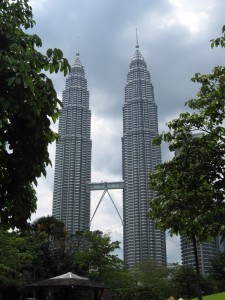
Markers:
<point>105,187</point>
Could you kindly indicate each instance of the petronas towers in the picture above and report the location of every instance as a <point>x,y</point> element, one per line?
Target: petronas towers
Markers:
<point>71,198</point>
<point>140,125</point>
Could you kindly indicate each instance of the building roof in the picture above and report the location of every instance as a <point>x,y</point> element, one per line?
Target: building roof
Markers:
<point>68,280</point>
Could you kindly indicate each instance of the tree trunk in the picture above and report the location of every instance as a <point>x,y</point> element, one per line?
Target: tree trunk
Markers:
<point>199,290</point>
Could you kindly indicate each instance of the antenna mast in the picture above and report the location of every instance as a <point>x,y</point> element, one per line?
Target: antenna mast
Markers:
<point>137,46</point>
<point>78,46</point>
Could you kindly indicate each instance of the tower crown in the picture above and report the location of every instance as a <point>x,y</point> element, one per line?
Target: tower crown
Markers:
<point>137,55</point>
<point>137,59</point>
<point>77,62</point>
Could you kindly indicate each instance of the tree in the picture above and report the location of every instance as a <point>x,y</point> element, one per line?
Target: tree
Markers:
<point>28,103</point>
<point>95,258</point>
<point>39,252</point>
<point>217,271</point>
<point>17,256</point>
<point>51,255</point>
<point>184,279</point>
<point>189,190</point>
<point>137,293</point>
<point>151,273</point>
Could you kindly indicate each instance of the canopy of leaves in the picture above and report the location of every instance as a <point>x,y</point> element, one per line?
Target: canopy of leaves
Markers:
<point>96,259</point>
<point>151,273</point>
<point>217,271</point>
<point>189,190</point>
<point>52,255</point>
<point>184,279</point>
<point>28,103</point>
<point>46,250</point>
<point>137,293</point>
<point>16,259</point>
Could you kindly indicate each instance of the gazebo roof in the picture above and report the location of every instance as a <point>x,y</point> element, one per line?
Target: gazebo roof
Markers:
<point>68,280</point>
<point>70,275</point>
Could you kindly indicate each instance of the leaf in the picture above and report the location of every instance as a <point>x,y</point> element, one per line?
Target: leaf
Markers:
<point>51,68</point>
<point>46,67</point>
<point>223,29</point>
<point>11,80</point>
<point>59,54</point>
<point>56,68</point>
<point>49,52</point>
<point>18,81</point>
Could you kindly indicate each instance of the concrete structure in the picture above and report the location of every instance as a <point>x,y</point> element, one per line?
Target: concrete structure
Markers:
<point>71,198</point>
<point>140,125</point>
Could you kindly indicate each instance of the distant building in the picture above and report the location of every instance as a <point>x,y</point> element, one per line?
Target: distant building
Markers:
<point>71,199</point>
<point>140,125</point>
<point>220,244</point>
<point>206,252</point>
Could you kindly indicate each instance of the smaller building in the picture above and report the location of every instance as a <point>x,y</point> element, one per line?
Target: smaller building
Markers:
<point>206,252</point>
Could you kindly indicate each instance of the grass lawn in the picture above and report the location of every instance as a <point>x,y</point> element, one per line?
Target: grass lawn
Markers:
<point>220,296</point>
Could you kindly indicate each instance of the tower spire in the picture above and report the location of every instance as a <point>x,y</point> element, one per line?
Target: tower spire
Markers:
<point>137,46</point>
<point>78,47</point>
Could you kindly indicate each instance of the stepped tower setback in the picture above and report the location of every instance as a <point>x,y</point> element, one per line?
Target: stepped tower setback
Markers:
<point>140,125</point>
<point>71,199</point>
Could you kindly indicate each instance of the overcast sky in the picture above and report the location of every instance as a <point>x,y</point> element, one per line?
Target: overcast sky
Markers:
<point>174,40</point>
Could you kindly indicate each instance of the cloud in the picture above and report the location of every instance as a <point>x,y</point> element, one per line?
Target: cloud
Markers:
<point>173,249</point>
<point>106,149</point>
<point>191,15</point>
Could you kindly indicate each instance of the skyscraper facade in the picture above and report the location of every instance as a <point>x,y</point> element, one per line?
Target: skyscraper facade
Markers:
<point>71,199</point>
<point>139,157</point>
<point>206,252</point>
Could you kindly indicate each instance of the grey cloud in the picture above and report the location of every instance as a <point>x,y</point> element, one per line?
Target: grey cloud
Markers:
<point>107,154</point>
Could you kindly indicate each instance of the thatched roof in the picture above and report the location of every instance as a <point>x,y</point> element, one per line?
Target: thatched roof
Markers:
<point>68,280</point>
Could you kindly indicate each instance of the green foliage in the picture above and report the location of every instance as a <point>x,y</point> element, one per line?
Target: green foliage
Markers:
<point>184,280</point>
<point>28,103</point>
<point>32,255</point>
<point>51,257</point>
<point>217,272</point>
<point>120,278</point>
<point>151,273</point>
<point>137,293</point>
<point>95,258</point>
<point>16,259</point>
<point>37,253</point>
<point>54,228</point>
<point>189,190</point>
<point>219,41</point>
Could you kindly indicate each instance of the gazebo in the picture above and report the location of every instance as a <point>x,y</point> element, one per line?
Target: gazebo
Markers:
<point>68,286</point>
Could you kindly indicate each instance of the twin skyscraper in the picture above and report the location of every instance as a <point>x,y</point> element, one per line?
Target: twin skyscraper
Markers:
<point>71,198</point>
